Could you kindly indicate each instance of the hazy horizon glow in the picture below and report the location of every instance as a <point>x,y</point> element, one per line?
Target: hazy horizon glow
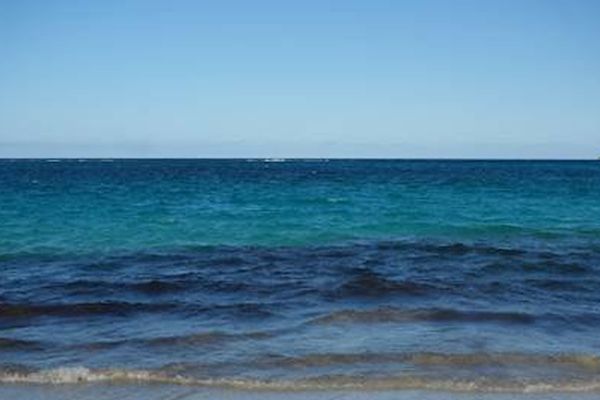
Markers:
<point>411,79</point>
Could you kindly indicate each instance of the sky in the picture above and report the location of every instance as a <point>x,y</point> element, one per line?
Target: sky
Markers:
<point>309,78</point>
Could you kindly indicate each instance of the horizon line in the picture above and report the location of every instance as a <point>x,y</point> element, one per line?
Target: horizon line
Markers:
<point>295,158</point>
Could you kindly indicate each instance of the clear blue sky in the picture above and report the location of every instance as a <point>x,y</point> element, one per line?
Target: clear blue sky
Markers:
<point>306,78</point>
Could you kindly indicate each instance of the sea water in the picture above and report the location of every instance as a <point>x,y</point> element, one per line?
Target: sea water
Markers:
<point>300,275</point>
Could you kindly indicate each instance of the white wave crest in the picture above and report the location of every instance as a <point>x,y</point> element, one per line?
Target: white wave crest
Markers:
<point>76,375</point>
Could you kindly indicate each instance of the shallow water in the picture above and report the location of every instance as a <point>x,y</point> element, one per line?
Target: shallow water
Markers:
<point>351,275</point>
<point>170,392</point>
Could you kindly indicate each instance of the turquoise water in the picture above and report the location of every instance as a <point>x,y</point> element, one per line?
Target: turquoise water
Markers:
<point>476,276</point>
<point>139,204</point>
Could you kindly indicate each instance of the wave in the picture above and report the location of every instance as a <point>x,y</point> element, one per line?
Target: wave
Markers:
<point>452,248</point>
<point>393,314</point>
<point>208,338</point>
<point>540,266</point>
<point>18,344</point>
<point>587,362</point>
<point>146,287</point>
<point>121,309</point>
<point>192,339</point>
<point>12,310</point>
<point>82,375</point>
<point>367,283</point>
<point>234,255</point>
<point>158,286</point>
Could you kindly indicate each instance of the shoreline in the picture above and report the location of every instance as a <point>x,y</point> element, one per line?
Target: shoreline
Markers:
<point>158,391</point>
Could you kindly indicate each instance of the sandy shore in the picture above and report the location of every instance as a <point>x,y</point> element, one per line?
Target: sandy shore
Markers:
<point>174,392</point>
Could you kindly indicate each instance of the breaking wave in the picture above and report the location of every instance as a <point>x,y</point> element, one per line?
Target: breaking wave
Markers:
<point>78,375</point>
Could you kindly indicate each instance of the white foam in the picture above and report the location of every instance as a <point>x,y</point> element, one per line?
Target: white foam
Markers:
<point>77,375</point>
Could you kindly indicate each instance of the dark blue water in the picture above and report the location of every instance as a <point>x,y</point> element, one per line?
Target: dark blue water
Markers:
<point>303,274</point>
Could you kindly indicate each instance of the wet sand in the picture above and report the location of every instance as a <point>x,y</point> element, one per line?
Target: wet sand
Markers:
<point>176,392</point>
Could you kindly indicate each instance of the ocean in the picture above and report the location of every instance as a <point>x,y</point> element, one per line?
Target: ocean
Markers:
<point>253,278</point>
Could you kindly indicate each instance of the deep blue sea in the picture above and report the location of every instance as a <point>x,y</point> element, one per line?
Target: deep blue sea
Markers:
<point>302,274</point>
